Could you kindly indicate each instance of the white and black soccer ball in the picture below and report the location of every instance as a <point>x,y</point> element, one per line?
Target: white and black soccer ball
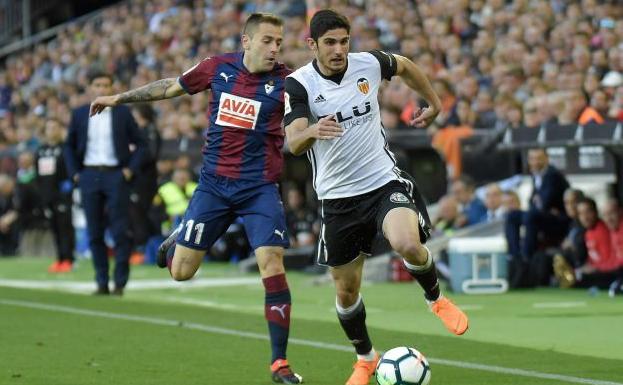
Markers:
<point>403,366</point>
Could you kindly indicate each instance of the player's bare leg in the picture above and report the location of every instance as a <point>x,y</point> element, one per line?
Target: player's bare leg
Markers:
<point>351,313</point>
<point>185,262</point>
<point>277,307</point>
<point>182,262</point>
<point>401,228</point>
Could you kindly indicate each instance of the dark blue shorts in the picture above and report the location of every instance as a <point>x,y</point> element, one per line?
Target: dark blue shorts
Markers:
<point>218,201</point>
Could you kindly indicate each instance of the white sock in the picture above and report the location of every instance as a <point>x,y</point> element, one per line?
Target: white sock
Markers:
<point>367,357</point>
<point>424,267</point>
<point>350,309</point>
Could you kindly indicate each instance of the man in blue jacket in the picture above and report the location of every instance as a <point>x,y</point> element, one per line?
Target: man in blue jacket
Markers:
<point>100,161</point>
<point>546,216</point>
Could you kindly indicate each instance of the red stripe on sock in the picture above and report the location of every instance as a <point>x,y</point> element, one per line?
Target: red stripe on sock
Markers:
<point>278,314</point>
<point>275,283</point>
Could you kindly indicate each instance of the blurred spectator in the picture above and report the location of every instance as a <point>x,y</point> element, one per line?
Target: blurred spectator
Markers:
<point>614,221</point>
<point>447,215</point>
<point>30,212</point>
<point>493,202</point>
<point>510,201</point>
<point>302,222</point>
<point>56,202</point>
<point>601,265</point>
<point>616,109</point>
<point>390,118</point>
<point>173,198</point>
<point>531,118</point>
<point>144,185</point>
<point>472,209</point>
<point>573,252</point>
<point>485,113</point>
<point>9,206</point>
<point>545,220</point>
<point>597,111</point>
<point>5,95</point>
<point>574,104</point>
<point>448,139</point>
<point>611,215</point>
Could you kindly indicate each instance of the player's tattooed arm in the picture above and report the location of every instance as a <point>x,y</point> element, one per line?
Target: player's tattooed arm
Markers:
<point>417,80</point>
<point>158,90</point>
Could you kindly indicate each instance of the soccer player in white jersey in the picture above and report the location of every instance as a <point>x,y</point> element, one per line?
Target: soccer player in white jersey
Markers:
<point>332,114</point>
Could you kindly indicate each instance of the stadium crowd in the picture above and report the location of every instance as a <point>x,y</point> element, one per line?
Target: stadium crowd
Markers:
<point>495,64</point>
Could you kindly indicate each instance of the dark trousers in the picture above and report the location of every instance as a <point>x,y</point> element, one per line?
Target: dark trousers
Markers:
<point>552,227</point>
<point>143,189</point>
<point>9,241</point>
<point>62,227</point>
<point>105,195</point>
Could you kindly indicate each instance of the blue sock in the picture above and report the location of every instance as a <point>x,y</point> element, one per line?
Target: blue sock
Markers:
<point>277,312</point>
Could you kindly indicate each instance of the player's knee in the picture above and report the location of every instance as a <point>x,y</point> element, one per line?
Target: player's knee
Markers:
<point>347,296</point>
<point>271,264</point>
<point>408,247</point>
<point>179,274</point>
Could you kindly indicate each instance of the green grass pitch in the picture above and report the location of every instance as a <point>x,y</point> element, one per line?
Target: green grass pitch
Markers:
<point>212,331</point>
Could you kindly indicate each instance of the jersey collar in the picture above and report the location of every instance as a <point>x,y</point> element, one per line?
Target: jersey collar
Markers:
<point>336,78</point>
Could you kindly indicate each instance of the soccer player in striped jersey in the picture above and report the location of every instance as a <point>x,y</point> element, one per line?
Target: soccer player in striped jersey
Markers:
<point>242,163</point>
<point>333,115</point>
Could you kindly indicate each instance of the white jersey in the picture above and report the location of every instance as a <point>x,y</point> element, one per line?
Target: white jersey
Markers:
<point>360,160</point>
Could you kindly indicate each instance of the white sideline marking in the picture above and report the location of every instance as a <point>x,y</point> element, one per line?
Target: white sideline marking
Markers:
<point>210,304</point>
<point>295,341</point>
<point>471,307</point>
<point>143,284</point>
<point>558,305</point>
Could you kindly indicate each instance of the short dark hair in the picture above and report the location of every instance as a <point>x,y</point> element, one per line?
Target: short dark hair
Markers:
<point>539,149</point>
<point>253,21</point>
<point>590,202</point>
<point>468,181</point>
<point>326,20</point>
<point>97,73</point>
<point>577,193</point>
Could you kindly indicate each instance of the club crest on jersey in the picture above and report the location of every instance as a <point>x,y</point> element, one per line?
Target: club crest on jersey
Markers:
<point>398,198</point>
<point>236,111</point>
<point>269,87</point>
<point>363,85</point>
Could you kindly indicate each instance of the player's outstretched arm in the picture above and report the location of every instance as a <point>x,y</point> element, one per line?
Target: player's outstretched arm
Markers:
<point>416,79</point>
<point>301,137</point>
<point>158,90</point>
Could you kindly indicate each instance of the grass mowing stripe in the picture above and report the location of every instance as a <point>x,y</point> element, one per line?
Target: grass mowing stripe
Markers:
<point>295,341</point>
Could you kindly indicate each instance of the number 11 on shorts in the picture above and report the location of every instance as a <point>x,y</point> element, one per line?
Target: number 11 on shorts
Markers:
<point>198,231</point>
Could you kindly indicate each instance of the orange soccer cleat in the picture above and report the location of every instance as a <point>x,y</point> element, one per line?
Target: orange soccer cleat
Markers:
<point>362,372</point>
<point>452,317</point>
<point>283,374</point>
<point>55,267</point>
<point>65,267</point>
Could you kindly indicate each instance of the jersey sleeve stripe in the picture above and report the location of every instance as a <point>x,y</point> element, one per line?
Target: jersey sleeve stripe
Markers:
<point>183,85</point>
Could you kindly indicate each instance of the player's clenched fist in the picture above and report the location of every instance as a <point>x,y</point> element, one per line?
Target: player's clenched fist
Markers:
<point>326,128</point>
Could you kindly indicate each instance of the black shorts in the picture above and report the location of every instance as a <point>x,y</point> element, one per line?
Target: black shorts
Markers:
<point>349,225</point>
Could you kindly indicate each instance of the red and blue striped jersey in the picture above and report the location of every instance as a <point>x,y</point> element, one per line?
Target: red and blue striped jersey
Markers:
<point>245,135</point>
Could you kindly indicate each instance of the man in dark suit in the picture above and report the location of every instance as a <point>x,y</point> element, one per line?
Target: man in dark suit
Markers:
<point>546,216</point>
<point>100,161</point>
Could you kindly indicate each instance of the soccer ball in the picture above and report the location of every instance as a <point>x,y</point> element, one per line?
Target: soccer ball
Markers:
<point>403,366</point>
